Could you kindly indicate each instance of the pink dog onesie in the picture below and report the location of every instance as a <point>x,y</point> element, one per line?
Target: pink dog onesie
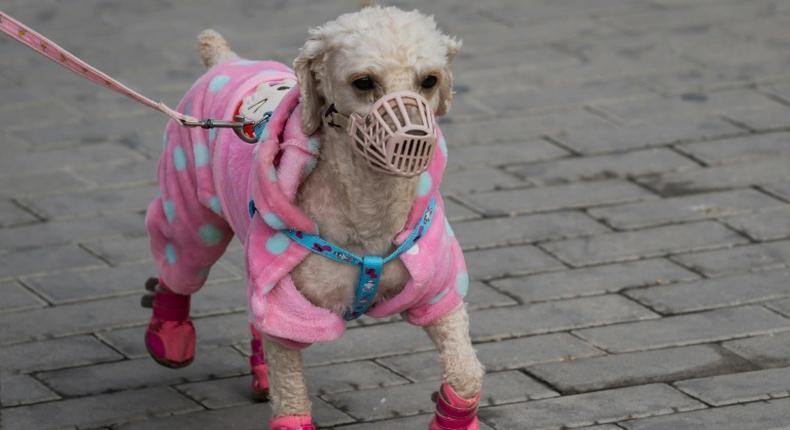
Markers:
<point>213,186</point>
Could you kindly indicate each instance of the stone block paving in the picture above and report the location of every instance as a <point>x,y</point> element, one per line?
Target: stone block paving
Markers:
<point>619,178</point>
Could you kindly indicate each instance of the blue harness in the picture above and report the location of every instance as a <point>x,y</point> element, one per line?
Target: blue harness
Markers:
<point>370,266</point>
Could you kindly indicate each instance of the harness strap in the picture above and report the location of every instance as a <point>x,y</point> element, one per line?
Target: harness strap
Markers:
<point>37,42</point>
<point>370,267</point>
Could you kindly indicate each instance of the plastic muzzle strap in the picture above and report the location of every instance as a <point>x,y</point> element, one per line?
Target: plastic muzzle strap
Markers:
<point>397,136</point>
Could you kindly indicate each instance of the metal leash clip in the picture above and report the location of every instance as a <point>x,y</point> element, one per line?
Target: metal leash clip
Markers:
<point>238,126</point>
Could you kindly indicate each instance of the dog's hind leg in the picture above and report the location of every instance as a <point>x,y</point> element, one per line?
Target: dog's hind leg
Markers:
<point>459,396</point>
<point>291,406</point>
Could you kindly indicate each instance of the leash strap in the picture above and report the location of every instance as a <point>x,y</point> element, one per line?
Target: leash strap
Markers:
<point>35,41</point>
<point>370,267</point>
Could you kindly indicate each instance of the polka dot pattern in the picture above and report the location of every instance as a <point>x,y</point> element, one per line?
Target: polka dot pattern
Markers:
<point>165,140</point>
<point>272,174</point>
<point>201,154</point>
<point>414,250</point>
<point>443,146</point>
<point>439,296</point>
<point>170,253</point>
<point>170,210</point>
<point>244,62</point>
<point>209,234</point>
<point>278,243</point>
<point>424,186</point>
<point>462,283</point>
<point>212,134</point>
<point>273,221</point>
<point>218,82</point>
<point>215,205</point>
<point>179,158</point>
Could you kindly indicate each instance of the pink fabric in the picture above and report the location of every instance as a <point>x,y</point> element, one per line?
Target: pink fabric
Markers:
<point>207,179</point>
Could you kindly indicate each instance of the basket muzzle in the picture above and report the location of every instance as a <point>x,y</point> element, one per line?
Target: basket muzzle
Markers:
<point>397,136</point>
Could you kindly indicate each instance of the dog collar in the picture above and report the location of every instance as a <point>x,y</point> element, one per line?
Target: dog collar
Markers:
<point>370,266</point>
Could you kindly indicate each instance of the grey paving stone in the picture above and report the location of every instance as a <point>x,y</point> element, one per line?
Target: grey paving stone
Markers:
<point>465,181</point>
<point>772,415</point>
<point>369,342</point>
<point>491,232</point>
<point>98,410</point>
<point>18,390</point>
<point>457,212</point>
<point>651,242</point>
<point>637,368</point>
<point>77,318</point>
<point>683,209</point>
<point>55,354</point>
<point>144,372</point>
<point>412,399</point>
<point>740,149</point>
<point>17,298</point>
<point>40,184</point>
<point>122,251</point>
<point>77,157</point>
<point>92,202</point>
<point>624,164</point>
<point>634,136</point>
<point>359,375</point>
<point>772,350</point>
<point>781,306</point>
<point>562,315</point>
<point>740,387</point>
<point>769,118</point>
<point>509,261</point>
<point>591,408</point>
<point>212,331</point>
<point>482,296</point>
<point>556,197</point>
<point>103,282</point>
<point>496,356</point>
<point>716,263</point>
<point>714,293</point>
<point>711,326</point>
<point>768,225</point>
<point>11,215</point>
<point>593,280</point>
<point>781,189</point>
<point>45,260</point>
<point>127,174</point>
<point>503,154</point>
<point>720,177</point>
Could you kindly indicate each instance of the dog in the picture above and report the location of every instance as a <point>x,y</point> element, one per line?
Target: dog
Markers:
<point>337,204</point>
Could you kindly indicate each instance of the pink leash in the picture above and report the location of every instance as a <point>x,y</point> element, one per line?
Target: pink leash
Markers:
<point>35,41</point>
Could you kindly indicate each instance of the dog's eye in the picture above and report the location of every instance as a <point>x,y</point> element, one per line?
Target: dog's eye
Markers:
<point>365,83</point>
<point>429,81</point>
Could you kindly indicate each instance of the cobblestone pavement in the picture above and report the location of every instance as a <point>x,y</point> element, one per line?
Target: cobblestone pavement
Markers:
<point>620,180</point>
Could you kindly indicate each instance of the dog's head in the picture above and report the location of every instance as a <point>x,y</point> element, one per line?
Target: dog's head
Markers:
<point>359,57</point>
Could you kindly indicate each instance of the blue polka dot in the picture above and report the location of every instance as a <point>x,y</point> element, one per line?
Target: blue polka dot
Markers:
<point>179,158</point>
<point>272,174</point>
<point>212,133</point>
<point>273,221</point>
<point>277,244</point>
<point>439,296</point>
<point>170,210</point>
<point>313,144</point>
<point>215,205</point>
<point>187,109</point>
<point>462,283</point>
<point>164,140</point>
<point>201,154</point>
<point>309,166</point>
<point>209,234</point>
<point>424,186</point>
<point>170,253</point>
<point>448,228</point>
<point>217,82</point>
<point>443,146</point>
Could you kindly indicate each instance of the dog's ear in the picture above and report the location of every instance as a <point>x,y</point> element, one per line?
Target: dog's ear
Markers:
<point>446,86</point>
<point>310,56</point>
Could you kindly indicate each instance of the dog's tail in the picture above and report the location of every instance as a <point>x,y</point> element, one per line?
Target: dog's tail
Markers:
<point>213,48</point>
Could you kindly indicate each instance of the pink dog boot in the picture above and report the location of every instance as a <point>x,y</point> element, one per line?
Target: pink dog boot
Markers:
<point>292,422</point>
<point>454,412</point>
<point>260,372</point>
<point>170,338</point>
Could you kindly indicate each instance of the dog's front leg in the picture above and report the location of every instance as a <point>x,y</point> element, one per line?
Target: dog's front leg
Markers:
<point>290,402</point>
<point>459,396</point>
